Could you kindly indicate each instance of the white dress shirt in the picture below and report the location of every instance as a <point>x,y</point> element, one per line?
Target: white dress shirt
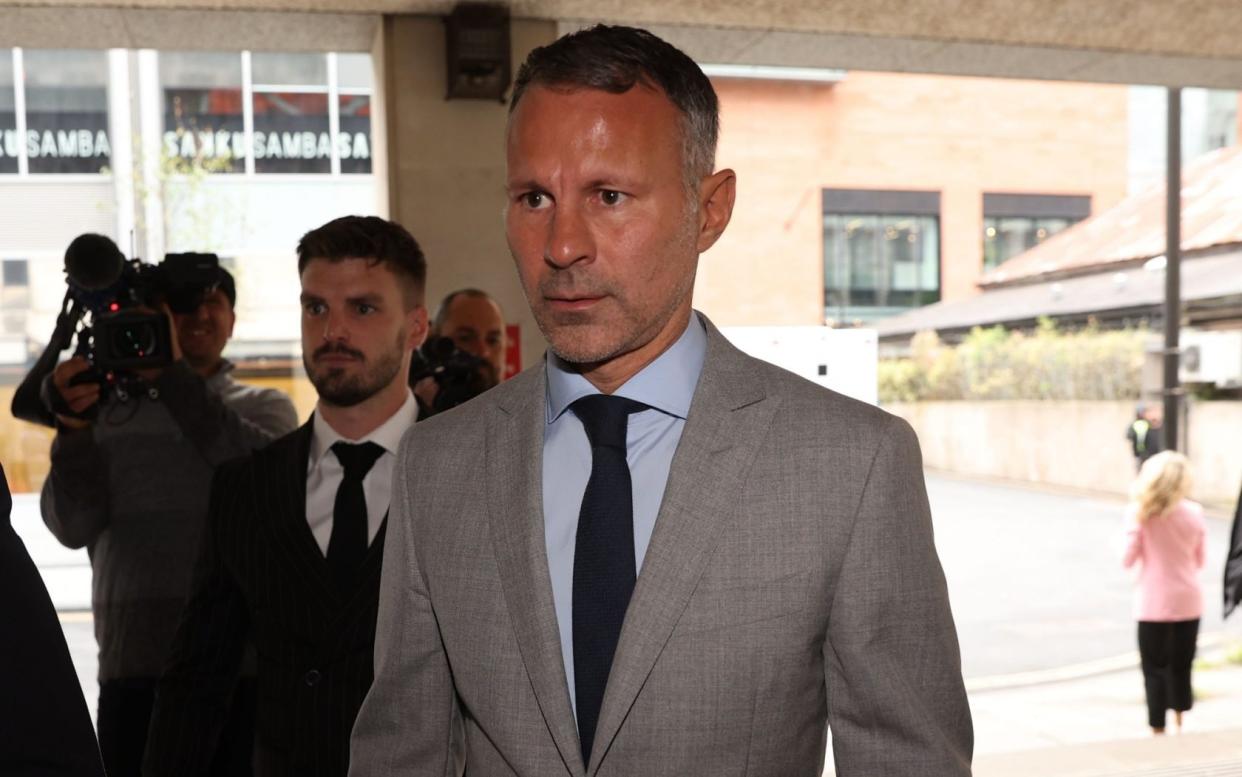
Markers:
<point>324,472</point>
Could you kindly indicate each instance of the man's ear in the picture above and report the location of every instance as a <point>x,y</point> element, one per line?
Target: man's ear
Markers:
<point>416,319</point>
<point>716,196</point>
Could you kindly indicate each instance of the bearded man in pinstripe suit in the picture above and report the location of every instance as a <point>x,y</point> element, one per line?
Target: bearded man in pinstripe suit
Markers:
<point>291,555</point>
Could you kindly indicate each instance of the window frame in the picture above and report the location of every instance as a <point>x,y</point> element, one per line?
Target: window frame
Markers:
<point>1030,206</point>
<point>883,205</point>
<point>332,90</point>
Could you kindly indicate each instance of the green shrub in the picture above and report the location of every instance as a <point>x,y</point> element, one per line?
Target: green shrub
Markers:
<point>995,363</point>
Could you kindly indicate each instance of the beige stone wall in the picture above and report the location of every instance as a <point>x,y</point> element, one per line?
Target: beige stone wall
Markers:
<point>1072,444</point>
<point>447,165</point>
<point>1215,446</point>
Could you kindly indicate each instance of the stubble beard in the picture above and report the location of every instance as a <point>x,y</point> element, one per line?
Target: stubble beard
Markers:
<point>337,387</point>
<point>583,339</point>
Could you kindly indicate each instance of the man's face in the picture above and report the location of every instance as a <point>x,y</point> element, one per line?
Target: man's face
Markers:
<point>477,327</point>
<point>357,333</point>
<point>203,333</point>
<point>604,234</point>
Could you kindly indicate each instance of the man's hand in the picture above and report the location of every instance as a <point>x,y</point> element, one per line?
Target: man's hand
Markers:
<point>426,390</point>
<point>80,398</point>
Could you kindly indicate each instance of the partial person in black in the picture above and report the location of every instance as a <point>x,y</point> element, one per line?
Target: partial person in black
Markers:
<point>1233,563</point>
<point>45,728</point>
<point>295,533</point>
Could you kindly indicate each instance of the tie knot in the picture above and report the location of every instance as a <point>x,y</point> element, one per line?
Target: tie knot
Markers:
<point>604,417</point>
<point>357,458</point>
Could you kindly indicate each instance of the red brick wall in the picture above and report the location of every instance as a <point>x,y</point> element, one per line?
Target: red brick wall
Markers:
<point>959,136</point>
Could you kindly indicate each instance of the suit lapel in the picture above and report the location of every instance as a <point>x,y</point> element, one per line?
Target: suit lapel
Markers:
<point>288,510</point>
<point>514,458</point>
<point>728,419</point>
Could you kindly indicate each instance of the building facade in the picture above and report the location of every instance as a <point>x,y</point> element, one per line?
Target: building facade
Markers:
<point>234,153</point>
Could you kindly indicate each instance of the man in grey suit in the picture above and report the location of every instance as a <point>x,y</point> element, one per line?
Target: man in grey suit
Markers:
<point>684,561</point>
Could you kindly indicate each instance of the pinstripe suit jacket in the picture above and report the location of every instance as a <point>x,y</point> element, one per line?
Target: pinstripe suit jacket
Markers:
<point>791,583</point>
<point>261,576</point>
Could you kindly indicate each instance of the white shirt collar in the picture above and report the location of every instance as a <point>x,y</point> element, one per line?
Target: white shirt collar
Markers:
<point>387,435</point>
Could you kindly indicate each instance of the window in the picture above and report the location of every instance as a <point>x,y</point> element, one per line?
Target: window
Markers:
<point>291,122</point>
<point>66,111</point>
<point>14,296</point>
<point>353,143</point>
<point>14,274</point>
<point>881,252</point>
<point>202,108</point>
<point>8,114</point>
<point>1013,223</point>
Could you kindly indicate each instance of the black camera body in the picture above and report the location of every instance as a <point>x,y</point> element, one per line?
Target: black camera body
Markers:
<point>125,332</point>
<point>459,376</point>
<point>116,301</point>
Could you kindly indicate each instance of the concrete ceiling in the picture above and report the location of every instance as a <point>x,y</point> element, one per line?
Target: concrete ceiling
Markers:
<point>1172,42</point>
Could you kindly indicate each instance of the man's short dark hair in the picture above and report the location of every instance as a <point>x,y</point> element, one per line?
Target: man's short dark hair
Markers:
<point>437,322</point>
<point>373,238</point>
<point>614,59</point>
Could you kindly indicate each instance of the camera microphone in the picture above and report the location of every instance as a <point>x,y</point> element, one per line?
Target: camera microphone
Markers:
<point>93,262</point>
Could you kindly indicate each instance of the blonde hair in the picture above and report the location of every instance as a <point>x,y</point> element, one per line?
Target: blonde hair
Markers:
<point>1163,481</point>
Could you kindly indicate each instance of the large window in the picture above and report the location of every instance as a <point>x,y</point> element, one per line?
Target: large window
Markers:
<point>1014,223</point>
<point>881,252</point>
<point>292,126</point>
<point>9,149</point>
<point>353,144</point>
<point>309,113</point>
<point>66,95</point>
<point>202,105</point>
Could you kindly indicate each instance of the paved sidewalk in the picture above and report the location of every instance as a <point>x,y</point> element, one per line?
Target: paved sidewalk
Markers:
<point>1096,726</point>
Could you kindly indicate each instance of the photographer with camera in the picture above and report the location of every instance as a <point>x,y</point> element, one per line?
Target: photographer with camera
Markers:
<point>144,414</point>
<point>464,354</point>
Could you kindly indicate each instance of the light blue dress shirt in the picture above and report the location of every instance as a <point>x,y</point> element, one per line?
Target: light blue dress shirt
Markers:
<point>667,386</point>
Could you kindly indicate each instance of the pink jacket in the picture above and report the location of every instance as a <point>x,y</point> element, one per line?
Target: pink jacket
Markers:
<point>1171,551</point>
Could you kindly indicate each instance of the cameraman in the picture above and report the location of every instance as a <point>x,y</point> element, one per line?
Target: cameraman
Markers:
<point>132,487</point>
<point>471,321</point>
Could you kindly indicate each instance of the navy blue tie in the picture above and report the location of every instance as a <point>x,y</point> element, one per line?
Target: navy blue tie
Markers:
<point>604,566</point>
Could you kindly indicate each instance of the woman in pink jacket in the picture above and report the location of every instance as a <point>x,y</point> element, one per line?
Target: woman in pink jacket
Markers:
<point>1165,537</point>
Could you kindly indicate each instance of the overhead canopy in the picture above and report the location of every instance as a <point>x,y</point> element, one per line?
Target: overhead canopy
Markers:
<point>1211,289</point>
<point>1188,43</point>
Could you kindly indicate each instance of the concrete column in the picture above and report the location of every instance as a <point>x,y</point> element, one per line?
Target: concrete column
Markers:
<point>443,164</point>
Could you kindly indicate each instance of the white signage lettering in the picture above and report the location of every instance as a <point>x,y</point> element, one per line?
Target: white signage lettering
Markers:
<point>58,144</point>
<point>267,145</point>
<point>8,144</point>
<point>220,144</point>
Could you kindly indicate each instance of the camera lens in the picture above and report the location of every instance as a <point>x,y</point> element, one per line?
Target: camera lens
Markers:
<point>134,341</point>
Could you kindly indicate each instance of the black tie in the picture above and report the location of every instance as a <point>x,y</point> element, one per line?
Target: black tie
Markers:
<point>348,544</point>
<point>604,568</point>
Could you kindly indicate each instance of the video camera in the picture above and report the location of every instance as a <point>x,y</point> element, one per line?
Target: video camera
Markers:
<point>459,376</point>
<point>111,290</point>
<point>117,302</point>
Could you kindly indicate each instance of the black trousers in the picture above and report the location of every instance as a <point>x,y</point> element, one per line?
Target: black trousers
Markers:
<point>1167,650</point>
<point>125,713</point>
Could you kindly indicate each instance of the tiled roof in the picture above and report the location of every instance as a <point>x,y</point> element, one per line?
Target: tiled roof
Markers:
<point>1133,230</point>
<point>1134,288</point>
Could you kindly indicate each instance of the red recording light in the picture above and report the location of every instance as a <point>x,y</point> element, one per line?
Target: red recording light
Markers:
<point>114,307</point>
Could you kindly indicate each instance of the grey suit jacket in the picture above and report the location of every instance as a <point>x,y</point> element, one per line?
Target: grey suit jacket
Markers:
<point>791,583</point>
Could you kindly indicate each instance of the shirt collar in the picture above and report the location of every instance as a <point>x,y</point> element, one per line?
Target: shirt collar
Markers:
<point>387,435</point>
<point>667,384</point>
<point>222,376</point>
